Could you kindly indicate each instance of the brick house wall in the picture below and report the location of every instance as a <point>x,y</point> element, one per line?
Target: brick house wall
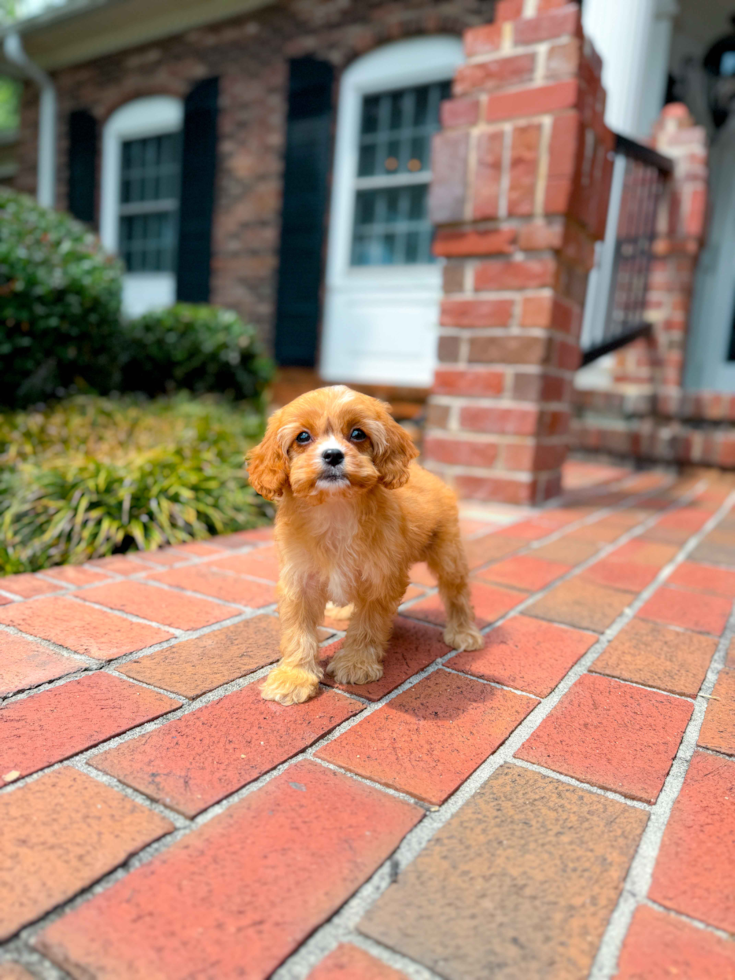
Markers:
<point>250,55</point>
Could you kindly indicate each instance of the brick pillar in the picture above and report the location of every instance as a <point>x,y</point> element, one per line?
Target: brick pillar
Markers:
<point>520,191</point>
<point>655,365</point>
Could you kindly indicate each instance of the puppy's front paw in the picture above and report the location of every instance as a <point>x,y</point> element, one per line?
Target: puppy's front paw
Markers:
<point>463,638</point>
<point>289,685</point>
<point>351,669</point>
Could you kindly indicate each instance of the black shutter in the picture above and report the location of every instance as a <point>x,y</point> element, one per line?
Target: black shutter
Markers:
<point>82,164</point>
<point>308,152</point>
<point>198,165</point>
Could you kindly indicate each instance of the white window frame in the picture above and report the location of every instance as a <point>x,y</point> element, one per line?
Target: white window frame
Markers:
<point>153,115</point>
<point>405,297</point>
<point>402,64</point>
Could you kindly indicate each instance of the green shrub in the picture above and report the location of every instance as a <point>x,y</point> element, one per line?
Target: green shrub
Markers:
<point>59,304</point>
<point>93,476</point>
<point>195,347</point>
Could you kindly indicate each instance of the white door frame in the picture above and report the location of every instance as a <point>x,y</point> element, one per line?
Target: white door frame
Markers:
<point>713,308</point>
<point>395,296</point>
<point>154,115</point>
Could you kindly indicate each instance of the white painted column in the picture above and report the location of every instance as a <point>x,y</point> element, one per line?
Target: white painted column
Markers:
<point>633,38</point>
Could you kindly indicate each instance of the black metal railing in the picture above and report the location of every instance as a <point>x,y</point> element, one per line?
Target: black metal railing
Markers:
<point>615,308</point>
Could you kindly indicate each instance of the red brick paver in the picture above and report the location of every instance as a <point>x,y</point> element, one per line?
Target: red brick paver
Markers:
<point>690,610</point>
<point>26,663</point>
<point>219,583</point>
<point>704,578</point>
<point>499,891</point>
<point>718,729</point>
<point>261,563</point>
<point>60,834</point>
<point>613,735</point>
<point>56,724</point>
<point>259,878</point>
<point>518,873</point>
<point>82,628</point>
<point>349,962</point>
<point>524,572</point>
<point>527,654</point>
<point>584,604</point>
<point>658,656</point>
<point>431,737</point>
<point>165,606</point>
<point>200,758</point>
<point>696,864</point>
<point>196,666</point>
<point>661,947</point>
<point>26,586</point>
<point>489,601</point>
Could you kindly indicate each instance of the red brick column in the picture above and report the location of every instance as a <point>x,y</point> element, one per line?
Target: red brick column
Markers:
<point>520,191</point>
<point>655,365</point>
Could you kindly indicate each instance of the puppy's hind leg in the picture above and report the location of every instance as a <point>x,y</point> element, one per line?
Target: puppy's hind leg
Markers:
<point>448,562</point>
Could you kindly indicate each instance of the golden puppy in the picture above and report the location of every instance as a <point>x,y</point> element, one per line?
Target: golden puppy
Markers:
<point>354,514</point>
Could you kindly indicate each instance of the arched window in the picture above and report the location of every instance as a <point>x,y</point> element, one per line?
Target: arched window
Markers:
<point>141,170</point>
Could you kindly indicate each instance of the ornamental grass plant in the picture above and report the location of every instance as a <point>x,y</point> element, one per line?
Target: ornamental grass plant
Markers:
<point>92,476</point>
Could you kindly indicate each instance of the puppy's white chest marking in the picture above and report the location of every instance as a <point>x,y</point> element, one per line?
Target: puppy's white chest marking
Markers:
<point>335,532</point>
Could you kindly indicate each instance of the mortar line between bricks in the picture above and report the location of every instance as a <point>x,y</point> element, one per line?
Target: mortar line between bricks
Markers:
<point>412,969</point>
<point>179,820</point>
<point>640,874</point>
<point>484,680</point>
<point>33,960</point>
<point>134,618</point>
<point>649,687</point>
<point>413,843</point>
<point>698,923</point>
<point>717,753</point>
<point>110,666</point>
<point>331,933</point>
<point>310,753</point>
<point>580,784</point>
<point>146,727</point>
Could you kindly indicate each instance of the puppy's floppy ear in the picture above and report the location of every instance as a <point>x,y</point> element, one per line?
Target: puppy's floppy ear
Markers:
<point>268,464</point>
<point>393,458</point>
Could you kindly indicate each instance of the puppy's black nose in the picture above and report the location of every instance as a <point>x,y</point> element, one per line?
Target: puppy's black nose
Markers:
<point>333,456</point>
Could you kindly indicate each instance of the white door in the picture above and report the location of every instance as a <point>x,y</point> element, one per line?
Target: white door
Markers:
<point>383,284</point>
<point>710,360</point>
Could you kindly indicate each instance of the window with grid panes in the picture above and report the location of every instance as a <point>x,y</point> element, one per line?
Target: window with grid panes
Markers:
<point>149,202</point>
<point>391,225</point>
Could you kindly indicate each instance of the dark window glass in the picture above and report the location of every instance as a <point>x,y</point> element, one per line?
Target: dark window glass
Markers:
<point>391,224</point>
<point>150,171</point>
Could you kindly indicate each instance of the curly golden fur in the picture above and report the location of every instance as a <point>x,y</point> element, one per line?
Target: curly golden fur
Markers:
<point>355,511</point>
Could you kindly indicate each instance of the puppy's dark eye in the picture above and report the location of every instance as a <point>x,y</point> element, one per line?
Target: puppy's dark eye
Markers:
<point>303,437</point>
<point>357,435</point>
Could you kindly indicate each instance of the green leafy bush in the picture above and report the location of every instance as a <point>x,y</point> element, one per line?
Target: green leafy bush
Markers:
<point>59,304</point>
<point>196,347</point>
<point>93,476</point>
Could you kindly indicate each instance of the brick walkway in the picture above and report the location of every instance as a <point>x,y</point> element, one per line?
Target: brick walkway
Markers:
<point>558,805</point>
